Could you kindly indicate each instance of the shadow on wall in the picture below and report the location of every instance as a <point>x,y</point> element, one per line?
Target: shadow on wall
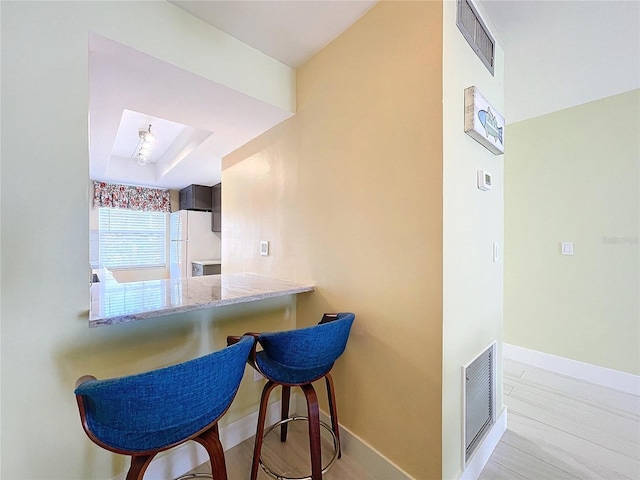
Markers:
<point>143,345</point>
<point>377,382</point>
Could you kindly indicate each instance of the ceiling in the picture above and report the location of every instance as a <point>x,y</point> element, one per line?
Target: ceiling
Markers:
<point>289,31</point>
<point>197,122</point>
<point>560,54</point>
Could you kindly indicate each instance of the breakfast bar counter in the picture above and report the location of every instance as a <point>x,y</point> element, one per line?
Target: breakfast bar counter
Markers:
<point>113,302</point>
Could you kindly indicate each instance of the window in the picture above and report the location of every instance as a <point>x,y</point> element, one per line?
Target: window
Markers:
<point>131,238</point>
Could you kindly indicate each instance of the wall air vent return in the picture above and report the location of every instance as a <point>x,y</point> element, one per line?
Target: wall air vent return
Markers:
<point>477,34</point>
<point>479,389</point>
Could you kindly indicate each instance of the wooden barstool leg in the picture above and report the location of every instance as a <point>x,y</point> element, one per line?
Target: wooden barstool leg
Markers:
<point>284,411</point>
<point>139,464</point>
<point>333,411</point>
<point>210,440</point>
<point>314,431</point>
<point>262,416</point>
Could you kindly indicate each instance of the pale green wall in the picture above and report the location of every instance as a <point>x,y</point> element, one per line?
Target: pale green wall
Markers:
<point>46,342</point>
<point>472,222</point>
<point>573,175</point>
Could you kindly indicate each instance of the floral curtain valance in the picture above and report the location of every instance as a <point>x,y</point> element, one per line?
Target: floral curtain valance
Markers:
<point>131,197</point>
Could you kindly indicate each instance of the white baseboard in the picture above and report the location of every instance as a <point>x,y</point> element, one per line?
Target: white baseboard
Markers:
<point>374,463</point>
<point>622,381</point>
<point>185,458</point>
<point>481,456</point>
<point>188,456</point>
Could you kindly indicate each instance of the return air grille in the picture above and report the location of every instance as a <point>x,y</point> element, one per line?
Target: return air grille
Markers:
<point>479,394</point>
<point>476,33</point>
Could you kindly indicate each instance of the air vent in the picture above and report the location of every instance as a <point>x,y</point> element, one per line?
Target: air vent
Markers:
<point>477,34</point>
<point>479,397</point>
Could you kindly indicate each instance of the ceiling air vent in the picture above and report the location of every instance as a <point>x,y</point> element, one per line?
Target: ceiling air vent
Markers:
<point>475,31</point>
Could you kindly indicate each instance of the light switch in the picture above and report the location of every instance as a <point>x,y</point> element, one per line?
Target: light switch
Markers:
<point>264,247</point>
<point>496,255</point>
<point>567,248</point>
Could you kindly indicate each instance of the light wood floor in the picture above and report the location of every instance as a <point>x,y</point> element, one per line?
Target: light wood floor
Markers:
<point>290,459</point>
<point>563,428</point>
<point>558,428</point>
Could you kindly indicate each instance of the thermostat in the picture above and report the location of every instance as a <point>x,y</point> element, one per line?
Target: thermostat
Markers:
<point>484,180</point>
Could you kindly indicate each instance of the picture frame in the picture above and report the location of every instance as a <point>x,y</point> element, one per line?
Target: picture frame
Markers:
<point>483,122</point>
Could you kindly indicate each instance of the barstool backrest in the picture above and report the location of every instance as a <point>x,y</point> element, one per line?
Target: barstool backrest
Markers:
<point>311,347</point>
<point>158,409</point>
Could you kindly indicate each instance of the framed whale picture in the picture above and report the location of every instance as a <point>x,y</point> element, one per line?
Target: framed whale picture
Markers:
<point>482,122</point>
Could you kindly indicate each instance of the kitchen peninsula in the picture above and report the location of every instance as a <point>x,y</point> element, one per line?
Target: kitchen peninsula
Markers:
<point>113,303</point>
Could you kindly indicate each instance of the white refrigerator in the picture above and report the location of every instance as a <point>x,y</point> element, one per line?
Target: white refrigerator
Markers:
<point>191,239</point>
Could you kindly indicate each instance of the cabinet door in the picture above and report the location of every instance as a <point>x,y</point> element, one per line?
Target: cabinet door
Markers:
<point>216,211</point>
<point>195,197</point>
<point>186,198</point>
<point>201,197</point>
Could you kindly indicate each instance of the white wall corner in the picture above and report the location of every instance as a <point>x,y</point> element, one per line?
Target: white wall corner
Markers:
<point>484,451</point>
<point>606,377</point>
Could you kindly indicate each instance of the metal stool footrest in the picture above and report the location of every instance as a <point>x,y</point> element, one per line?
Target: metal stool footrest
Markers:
<point>194,475</point>
<point>336,447</point>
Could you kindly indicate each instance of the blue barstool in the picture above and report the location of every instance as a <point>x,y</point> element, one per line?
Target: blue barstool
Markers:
<point>296,358</point>
<point>145,414</point>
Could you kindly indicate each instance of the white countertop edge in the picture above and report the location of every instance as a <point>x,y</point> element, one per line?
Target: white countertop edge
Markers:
<point>207,262</point>
<point>291,289</point>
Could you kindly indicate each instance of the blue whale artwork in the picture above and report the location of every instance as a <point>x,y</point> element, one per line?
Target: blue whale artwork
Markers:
<point>490,124</point>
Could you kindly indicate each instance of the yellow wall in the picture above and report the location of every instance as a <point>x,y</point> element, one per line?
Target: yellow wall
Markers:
<point>349,193</point>
<point>573,175</point>
<point>473,221</point>
<point>46,342</point>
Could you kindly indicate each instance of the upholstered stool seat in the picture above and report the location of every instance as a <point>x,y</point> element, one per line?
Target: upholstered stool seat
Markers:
<point>142,415</point>
<point>297,358</point>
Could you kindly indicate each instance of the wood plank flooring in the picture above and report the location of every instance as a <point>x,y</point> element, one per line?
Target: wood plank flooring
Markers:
<point>558,428</point>
<point>290,459</point>
<point>563,428</point>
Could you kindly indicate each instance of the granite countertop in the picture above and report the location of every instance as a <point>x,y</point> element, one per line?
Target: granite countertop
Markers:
<point>207,262</point>
<point>113,302</point>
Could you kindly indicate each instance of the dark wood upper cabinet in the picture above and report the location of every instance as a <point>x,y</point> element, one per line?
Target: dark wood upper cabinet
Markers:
<point>196,197</point>
<point>216,204</point>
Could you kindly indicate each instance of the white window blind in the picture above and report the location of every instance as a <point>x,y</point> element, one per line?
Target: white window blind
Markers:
<point>131,238</point>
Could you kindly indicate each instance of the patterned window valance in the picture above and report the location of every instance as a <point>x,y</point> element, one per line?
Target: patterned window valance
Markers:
<point>131,198</point>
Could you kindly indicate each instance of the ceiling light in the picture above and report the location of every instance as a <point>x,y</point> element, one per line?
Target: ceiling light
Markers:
<point>147,141</point>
